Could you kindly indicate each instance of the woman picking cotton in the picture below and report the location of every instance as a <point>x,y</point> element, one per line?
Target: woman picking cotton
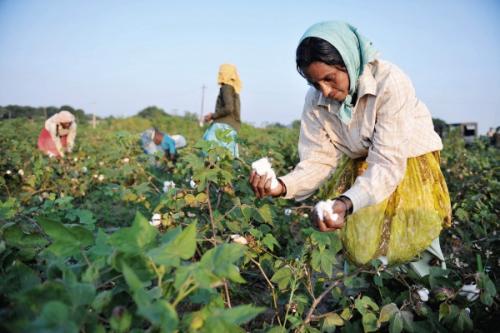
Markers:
<point>58,135</point>
<point>369,141</point>
<point>227,109</point>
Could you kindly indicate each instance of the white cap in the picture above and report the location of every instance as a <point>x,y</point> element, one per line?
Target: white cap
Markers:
<point>180,141</point>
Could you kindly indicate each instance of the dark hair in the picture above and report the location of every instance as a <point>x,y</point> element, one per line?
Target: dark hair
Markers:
<point>313,49</point>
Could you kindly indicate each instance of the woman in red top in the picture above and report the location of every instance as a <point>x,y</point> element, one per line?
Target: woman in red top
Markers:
<point>58,135</point>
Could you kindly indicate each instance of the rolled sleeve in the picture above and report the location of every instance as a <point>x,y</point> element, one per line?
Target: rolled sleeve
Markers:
<point>318,157</point>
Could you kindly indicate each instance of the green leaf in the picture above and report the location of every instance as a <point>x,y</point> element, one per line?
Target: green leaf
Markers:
<point>136,238</point>
<point>132,280</point>
<point>161,314</point>
<point>270,241</point>
<point>183,246</point>
<point>396,324</point>
<point>101,300</point>
<point>387,312</point>
<point>444,310</point>
<point>364,304</point>
<point>266,214</point>
<point>240,314</point>
<point>488,290</point>
<point>220,261</point>
<point>67,239</point>
<point>54,317</point>
<point>283,277</point>
<point>370,322</point>
<point>327,260</point>
<point>331,322</point>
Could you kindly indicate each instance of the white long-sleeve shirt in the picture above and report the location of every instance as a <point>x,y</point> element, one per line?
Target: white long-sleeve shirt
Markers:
<point>389,125</point>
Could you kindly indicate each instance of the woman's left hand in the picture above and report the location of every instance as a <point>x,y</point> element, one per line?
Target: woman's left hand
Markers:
<point>327,222</point>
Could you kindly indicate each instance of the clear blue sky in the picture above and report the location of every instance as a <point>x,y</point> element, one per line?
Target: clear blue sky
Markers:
<point>117,57</point>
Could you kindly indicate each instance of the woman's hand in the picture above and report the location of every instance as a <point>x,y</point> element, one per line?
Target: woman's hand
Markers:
<point>208,117</point>
<point>262,187</point>
<point>327,222</point>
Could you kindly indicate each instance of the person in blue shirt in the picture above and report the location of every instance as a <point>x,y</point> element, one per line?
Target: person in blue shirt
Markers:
<point>166,143</point>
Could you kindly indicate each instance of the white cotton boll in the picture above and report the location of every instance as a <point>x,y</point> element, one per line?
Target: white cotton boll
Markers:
<point>384,260</point>
<point>8,172</point>
<point>101,163</point>
<point>100,178</point>
<point>126,160</point>
<point>84,169</point>
<point>326,207</point>
<point>155,220</point>
<point>470,291</point>
<point>423,293</point>
<point>167,185</point>
<point>262,167</point>
<point>239,239</point>
<point>288,212</point>
<point>75,159</point>
<point>192,183</point>
<point>20,172</point>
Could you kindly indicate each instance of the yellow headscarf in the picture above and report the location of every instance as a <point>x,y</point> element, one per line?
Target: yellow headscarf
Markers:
<point>228,74</point>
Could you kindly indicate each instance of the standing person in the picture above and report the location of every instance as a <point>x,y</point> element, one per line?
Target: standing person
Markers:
<point>367,136</point>
<point>58,135</point>
<point>227,109</point>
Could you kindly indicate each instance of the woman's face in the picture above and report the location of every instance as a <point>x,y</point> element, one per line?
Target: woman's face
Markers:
<point>332,81</point>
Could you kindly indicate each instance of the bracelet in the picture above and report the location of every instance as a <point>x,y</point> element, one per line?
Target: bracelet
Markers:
<point>283,193</point>
<point>347,202</point>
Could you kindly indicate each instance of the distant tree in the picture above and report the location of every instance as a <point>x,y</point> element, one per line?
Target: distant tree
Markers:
<point>275,125</point>
<point>295,124</point>
<point>190,116</point>
<point>440,126</point>
<point>151,112</point>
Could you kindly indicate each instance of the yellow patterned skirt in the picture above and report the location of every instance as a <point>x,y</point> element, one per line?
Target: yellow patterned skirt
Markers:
<point>404,224</point>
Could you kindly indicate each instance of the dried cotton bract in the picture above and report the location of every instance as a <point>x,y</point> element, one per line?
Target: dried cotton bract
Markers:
<point>239,239</point>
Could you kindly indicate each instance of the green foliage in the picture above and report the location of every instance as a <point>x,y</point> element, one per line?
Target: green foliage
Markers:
<point>77,251</point>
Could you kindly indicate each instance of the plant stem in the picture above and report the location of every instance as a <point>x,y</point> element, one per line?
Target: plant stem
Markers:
<point>212,223</point>
<point>226,290</point>
<point>273,292</point>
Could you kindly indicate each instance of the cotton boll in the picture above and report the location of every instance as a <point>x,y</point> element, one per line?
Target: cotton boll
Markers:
<point>192,183</point>
<point>423,294</point>
<point>326,207</point>
<point>262,167</point>
<point>469,291</point>
<point>239,239</point>
<point>8,172</point>
<point>167,185</point>
<point>100,178</point>
<point>84,169</point>
<point>75,159</point>
<point>155,220</point>
<point>126,160</point>
<point>20,172</point>
<point>288,212</point>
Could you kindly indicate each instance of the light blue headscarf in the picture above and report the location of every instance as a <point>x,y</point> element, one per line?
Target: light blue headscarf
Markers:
<point>355,49</point>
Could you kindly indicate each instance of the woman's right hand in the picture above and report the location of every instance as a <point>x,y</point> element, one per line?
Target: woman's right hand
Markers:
<point>207,117</point>
<point>261,186</point>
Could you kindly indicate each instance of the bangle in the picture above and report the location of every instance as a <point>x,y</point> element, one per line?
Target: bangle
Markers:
<point>283,193</point>
<point>347,202</point>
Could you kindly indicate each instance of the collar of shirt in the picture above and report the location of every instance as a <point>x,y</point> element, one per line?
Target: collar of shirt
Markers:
<point>366,86</point>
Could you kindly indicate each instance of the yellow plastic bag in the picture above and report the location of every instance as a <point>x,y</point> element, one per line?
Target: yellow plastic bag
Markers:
<point>403,225</point>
